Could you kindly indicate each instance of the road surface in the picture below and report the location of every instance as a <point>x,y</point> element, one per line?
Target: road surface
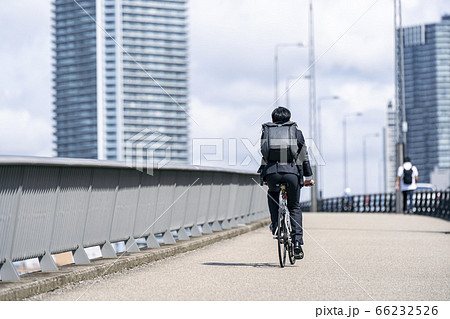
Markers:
<point>347,257</point>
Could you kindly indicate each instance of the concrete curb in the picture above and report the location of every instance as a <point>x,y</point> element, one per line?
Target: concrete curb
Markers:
<point>41,282</point>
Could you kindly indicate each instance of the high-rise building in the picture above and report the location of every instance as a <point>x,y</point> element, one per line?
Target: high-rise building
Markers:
<point>120,68</point>
<point>427,95</point>
<point>389,141</point>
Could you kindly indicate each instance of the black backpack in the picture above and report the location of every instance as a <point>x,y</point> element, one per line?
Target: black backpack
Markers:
<point>407,176</point>
<point>280,142</point>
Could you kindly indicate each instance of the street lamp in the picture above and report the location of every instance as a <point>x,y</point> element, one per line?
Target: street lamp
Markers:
<point>299,44</point>
<point>334,97</point>
<point>344,124</point>
<point>400,148</point>
<point>365,158</point>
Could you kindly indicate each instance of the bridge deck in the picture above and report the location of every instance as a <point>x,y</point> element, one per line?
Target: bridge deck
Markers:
<point>347,257</point>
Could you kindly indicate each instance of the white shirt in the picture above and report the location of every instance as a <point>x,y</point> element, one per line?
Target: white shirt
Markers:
<point>415,172</point>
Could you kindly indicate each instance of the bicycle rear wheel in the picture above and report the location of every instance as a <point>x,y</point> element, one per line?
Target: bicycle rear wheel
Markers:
<point>290,244</point>
<point>281,235</point>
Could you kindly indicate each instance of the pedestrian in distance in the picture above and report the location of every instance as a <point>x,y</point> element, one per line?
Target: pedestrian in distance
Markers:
<point>407,177</point>
<point>285,160</point>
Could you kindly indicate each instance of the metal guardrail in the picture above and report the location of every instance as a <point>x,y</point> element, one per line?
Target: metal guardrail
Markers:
<point>435,204</point>
<point>50,206</point>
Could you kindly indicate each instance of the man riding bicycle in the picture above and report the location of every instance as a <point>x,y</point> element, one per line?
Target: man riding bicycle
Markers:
<point>285,161</point>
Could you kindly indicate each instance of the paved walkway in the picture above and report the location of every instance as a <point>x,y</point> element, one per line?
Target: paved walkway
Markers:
<point>347,257</point>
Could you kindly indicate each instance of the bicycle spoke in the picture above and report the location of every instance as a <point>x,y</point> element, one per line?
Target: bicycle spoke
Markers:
<point>281,238</point>
<point>290,244</point>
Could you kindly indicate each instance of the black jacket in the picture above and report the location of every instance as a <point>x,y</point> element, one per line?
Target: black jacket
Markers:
<point>300,168</point>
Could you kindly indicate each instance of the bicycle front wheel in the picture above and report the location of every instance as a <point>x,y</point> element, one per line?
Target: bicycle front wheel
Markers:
<point>281,235</point>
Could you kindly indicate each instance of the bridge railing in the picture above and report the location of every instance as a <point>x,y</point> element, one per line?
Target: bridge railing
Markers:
<point>436,203</point>
<point>50,206</point>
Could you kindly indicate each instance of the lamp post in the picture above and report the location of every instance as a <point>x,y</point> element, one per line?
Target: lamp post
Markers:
<point>344,124</point>
<point>402,125</point>
<point>334,97</point>
<point>312,100</point>
<point>365,158</point>
<point>299,44</point>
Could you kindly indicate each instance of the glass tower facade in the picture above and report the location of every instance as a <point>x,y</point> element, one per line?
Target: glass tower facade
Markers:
<point>75,79</point>
<point>427,96</point>
<point>121,69</point>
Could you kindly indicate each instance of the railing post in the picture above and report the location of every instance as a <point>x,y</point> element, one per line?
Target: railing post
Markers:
<point>168,238</point>
<point>7,270</point>
<point>46,262</point>
<point>150,238</point>
<point>195,231</point>
<point>132,245</point>
<point>215,225</point>
<point>79,255</point>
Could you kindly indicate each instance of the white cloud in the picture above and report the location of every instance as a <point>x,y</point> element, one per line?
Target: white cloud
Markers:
<point>23,134</point>
<point>25,78</point>
<point>233,45</point>
<point>231,52</point>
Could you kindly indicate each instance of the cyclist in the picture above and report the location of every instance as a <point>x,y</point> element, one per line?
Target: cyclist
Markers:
<point>290,171</point>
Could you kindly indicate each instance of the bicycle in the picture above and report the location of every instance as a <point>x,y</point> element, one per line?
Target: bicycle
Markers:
<point>284,231</point>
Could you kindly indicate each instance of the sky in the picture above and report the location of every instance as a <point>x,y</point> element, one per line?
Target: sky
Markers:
<point>231,77</point>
